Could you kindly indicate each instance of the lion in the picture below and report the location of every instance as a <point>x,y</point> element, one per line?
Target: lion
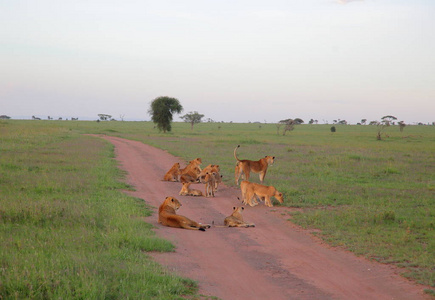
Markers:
<point>173,173</point>
<point>213,169</point>
<point>263,192</point>
<point>191,176</point>
<point>169,217</point>
<point>186,191</point>
<point>193,164</point>
<point>236,218</point>
<point>209,180</point>
<point>247,166</point>
<point>191,172</point>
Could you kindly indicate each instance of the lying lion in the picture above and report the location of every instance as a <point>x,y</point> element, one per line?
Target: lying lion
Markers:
<point>173,173</point>
<point>236,218</point>
<point>247,166</point>
<point>168,216</point>
<point>252,190</point>
<point>187,191</point>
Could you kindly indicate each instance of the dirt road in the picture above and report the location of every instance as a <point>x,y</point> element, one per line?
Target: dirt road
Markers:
<point>274,260</point>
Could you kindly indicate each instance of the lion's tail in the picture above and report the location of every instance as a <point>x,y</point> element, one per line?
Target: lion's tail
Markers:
<point>235,155</point>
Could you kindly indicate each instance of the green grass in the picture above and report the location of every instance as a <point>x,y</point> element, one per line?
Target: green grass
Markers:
<point>66,229</point>
<point>375,198</point>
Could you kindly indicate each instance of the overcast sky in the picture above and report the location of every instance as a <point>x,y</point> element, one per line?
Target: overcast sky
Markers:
<point>239,61</point>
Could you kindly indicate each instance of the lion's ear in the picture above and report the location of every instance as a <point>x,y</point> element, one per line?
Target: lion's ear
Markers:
<point>274,157</point>
<point>243,208</point>
<point>234,208</point>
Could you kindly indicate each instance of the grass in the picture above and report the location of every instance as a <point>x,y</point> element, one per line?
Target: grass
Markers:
<point>66,229</point>
<point>375,198</point>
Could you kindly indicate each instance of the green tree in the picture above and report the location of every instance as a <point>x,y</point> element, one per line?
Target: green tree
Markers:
<point>161,111</point>
<point>192,118</point>
<point>104,117</point>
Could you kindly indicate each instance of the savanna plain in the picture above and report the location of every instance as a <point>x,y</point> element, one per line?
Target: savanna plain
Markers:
<point>67,230</point>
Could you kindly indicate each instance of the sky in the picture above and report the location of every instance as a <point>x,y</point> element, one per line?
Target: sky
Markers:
<point>230,60</point>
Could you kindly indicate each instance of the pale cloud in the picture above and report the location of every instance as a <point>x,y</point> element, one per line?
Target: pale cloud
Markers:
<point>348,1</point>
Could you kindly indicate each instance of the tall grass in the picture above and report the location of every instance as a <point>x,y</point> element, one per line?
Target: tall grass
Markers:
<point>66,229</point>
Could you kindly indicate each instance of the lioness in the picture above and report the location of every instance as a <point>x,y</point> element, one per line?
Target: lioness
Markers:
<point>192,165</point>
<point>169,217</point>
<point>191,172</point>
<point>236,218</point>
<point>251,190</point>
<point>173,173</point>
<point>247,166</point>
<point>187,191</point>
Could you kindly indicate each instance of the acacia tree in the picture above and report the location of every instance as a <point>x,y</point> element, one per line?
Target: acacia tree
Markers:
<point>161,111</point>
<point>389,119</point>
<point>289,124</point>
<point>104,117</point>
<point>192,118</point>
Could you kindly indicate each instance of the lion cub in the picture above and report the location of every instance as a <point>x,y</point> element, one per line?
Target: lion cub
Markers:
<point>209,179</point>
<point>173,173</point>
<point>187,191</point>
<point>247,166</point>
<point>169,217</point>
<point>213,169</point>
<point>236,218</point>
<point>251,190</point>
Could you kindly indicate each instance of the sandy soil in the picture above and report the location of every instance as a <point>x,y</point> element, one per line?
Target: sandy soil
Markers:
<point>274,260</point>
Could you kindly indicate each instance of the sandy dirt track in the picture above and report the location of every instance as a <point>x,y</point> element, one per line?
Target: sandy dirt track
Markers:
<point>274,260</point>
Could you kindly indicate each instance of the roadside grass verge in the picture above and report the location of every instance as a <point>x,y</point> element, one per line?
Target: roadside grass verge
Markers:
<point>66,228</point>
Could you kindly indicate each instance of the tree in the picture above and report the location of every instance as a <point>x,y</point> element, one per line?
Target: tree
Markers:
<point>389,120</point>
<point>289,125</point>
<point>104,117</point>
<point>381,127</point>
<point>161,111</point>
<point>192,118</point>
<point>401,125</point>
<point>386,122</point>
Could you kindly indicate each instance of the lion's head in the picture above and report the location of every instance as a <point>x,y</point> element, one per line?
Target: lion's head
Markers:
<point>237,212</point>
<point>206,177</point>
<point>279,196</point>
<point>270,159</point>
<point>172,202</point>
